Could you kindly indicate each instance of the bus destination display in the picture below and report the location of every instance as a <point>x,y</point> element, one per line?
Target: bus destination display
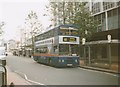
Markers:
<point>69,39</point>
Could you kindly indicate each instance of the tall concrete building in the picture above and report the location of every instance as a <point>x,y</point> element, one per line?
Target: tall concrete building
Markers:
<point>102,50</point>
<point>106,13</point>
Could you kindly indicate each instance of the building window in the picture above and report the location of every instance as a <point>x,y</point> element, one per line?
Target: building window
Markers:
<point>108,5</point>
<point>118,3</point>
<point>95,7</point>
<point>113,19</point>
<point>98,18</point>
<point>103,21</point>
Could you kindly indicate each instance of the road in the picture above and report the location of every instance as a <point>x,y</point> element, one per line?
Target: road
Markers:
<point>40,74</point>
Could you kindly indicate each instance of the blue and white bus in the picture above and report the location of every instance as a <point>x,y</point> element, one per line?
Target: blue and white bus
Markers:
<point>58,47</point>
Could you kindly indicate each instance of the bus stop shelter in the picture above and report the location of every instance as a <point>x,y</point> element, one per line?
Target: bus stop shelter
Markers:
<point>102,53</point>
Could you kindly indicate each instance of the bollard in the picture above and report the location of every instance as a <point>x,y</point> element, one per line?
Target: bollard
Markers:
<point>4,78</point>
<point>4,75</point>
<point>3,62</point>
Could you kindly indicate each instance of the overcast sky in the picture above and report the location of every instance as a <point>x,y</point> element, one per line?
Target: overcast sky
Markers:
<point>14,12</point>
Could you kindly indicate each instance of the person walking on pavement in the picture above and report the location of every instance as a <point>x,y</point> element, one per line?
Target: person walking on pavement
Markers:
<point>11,84</point>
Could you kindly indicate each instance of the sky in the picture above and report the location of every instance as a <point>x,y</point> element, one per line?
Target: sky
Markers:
<point>14,13</point>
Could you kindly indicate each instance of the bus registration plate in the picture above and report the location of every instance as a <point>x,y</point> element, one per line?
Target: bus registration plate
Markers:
<point>69,64</point>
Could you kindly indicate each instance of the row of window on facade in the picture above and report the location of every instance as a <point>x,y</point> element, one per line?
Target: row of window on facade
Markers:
<point>97,7</point>
<point>112,20</point>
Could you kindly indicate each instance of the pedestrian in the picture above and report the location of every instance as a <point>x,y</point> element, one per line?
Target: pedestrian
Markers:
<point>11,84</point>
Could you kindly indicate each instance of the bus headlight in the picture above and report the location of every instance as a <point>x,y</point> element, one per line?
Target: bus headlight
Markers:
<point>76,60</point>
<point>62,60</point>
<point>59,60</point>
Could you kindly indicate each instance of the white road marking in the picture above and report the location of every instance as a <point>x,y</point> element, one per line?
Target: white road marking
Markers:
<point>32,81</point>
<point>26,78</point>
<point>100,72</point>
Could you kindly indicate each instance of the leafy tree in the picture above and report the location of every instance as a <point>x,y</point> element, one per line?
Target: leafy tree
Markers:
<point>62,12</point>
<point>74,13</point>
<point>86,22</point>
<point>57,9</point>
<point>33,23</point>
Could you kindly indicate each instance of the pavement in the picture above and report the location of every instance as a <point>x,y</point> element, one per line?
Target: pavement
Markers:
<point>15,78</point>
<point>100,69</point>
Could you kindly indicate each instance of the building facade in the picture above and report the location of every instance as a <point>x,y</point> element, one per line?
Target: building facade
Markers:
<point>102,50</point>
<point>13,46</point>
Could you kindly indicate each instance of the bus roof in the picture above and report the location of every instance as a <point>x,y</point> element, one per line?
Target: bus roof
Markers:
<point>62,25</point>
<point>68,25</point>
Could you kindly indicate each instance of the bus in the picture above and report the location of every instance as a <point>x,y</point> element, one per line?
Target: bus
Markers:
<point>58,46</point>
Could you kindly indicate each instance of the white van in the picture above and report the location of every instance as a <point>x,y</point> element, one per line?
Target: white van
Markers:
<point>2,52</point>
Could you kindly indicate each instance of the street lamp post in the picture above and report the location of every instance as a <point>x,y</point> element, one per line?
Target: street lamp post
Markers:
<point>25,44</point>
<point>3,64</point>
<point>89,59</point>
<point>109,49</point>
<point>83,43</point>
<point>32,44</point>
<point>89,55</point>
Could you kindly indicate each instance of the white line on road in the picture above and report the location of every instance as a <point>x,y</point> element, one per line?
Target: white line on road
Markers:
<point>26,78</point>
<point>32,81</point>
<point>100,72</point>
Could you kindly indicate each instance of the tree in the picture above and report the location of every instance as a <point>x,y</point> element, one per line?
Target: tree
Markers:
<point>86,22</point>
<point>34,25</point>
<point>74,13</point>
<point>63,12</point>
